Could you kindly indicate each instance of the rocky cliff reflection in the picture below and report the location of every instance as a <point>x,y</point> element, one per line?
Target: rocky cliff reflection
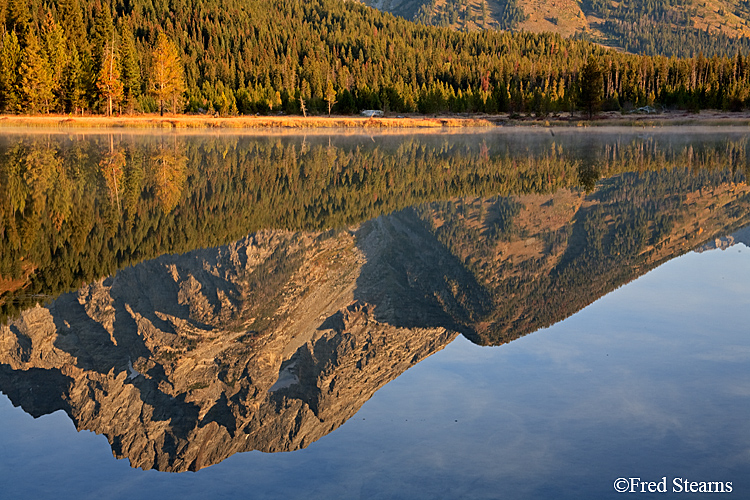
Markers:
<point>183,361</point>
<point>273,341</point>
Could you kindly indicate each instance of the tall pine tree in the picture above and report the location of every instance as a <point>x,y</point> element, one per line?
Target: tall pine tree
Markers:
<point>131,70</point>
<point>10,71</point>
<point>56,50</point>
<point>36,76</point>
<point>74,82</point>
<point>591,86</point>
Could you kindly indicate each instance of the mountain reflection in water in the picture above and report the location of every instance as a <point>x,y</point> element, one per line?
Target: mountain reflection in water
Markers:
<point>276,339</point>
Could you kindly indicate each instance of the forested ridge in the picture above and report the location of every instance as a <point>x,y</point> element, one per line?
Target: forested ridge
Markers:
<point>668,27</point>
<point>681,28</point>
<point>266,56</point>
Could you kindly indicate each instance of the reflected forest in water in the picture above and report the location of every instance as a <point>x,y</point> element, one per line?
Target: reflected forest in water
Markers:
<point>78,208</point>
<point>192,297</point>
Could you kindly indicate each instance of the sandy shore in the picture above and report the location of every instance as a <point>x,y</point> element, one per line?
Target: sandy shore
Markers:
<point>671,119</point>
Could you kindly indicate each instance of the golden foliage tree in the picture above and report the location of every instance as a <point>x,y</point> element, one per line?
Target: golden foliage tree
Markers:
<point>169,174</point>
<point>109,82</point>
<point>168,79</point>
<point>330,96</point>
<point>112,167</point>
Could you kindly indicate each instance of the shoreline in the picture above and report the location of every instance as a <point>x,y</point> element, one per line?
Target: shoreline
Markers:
<point>393,122</point>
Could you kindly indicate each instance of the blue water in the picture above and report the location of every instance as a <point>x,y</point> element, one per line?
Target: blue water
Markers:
<point>651,381</point>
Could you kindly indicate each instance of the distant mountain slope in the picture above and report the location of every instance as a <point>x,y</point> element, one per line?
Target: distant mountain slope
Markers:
<point>561,16</point>
<point>663,27</point>
<point>670,27</point>
<point>407,9</point>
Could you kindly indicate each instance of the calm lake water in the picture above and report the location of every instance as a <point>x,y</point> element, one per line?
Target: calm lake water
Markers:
<point>505,314</point>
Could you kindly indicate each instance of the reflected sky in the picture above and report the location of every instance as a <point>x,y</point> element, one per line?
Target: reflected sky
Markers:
<point>651,380</point>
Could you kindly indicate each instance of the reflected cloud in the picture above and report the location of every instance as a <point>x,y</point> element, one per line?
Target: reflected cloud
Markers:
<point>728,354</point>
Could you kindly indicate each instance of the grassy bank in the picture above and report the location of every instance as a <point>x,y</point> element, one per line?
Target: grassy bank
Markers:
<point>238,122</point>
<point>186,122</point>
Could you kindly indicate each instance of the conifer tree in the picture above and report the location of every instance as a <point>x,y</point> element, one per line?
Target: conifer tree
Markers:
<point>36,76</point>
<point>131,71</point>
<point>89,75</point>
<point>71,20</point>
<point>56,50</point>
<point>108,82</point>
<point>73,82</point>
<point>18,19</point>
<point>168,81</point>
<point>10,68</point>
<point>100,33</point>
<point>591,86</point>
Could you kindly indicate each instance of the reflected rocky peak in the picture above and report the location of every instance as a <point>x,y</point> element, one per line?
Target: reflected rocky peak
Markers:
<point>276,339</point>
<point>185,360</point>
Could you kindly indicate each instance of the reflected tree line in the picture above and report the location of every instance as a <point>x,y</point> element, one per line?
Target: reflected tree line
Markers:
<point>75,209</point>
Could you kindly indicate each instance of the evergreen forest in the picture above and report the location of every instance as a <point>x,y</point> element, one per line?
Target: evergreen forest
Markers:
<point>665,27</point>
<point>323,56</point>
